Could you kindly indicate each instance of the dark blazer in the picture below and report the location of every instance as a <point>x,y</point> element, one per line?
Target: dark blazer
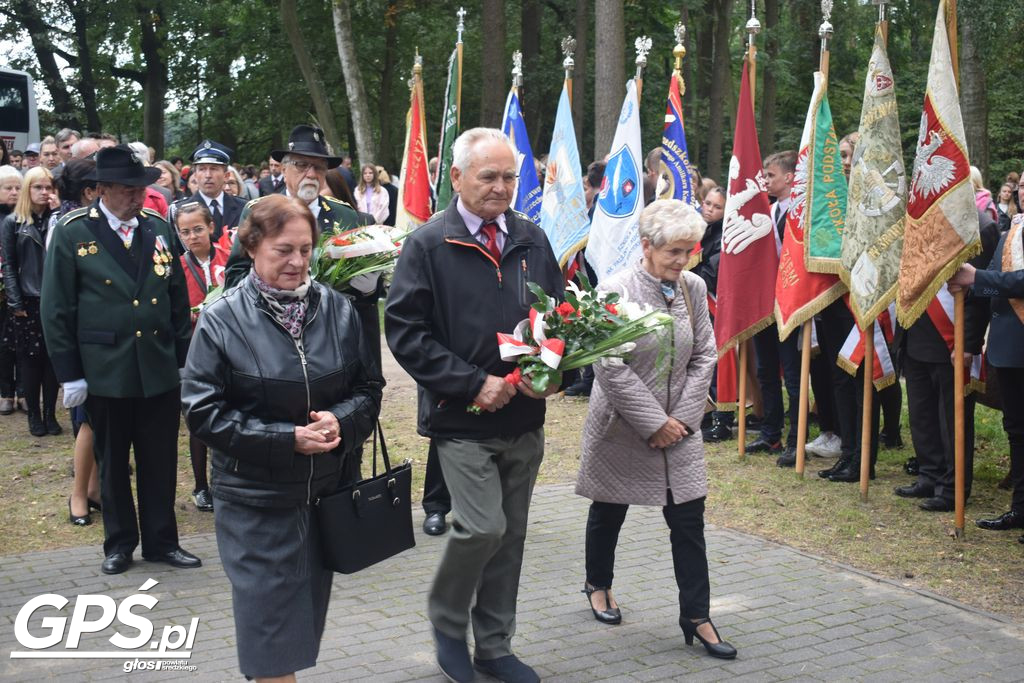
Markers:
<point>1006,333</point>
<point>266,186</point>
<point>23,248</point>
<point>231,212</point>
<point>118,318</point>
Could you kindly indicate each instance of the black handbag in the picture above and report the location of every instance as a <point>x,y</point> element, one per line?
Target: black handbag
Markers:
<point>369,521</point>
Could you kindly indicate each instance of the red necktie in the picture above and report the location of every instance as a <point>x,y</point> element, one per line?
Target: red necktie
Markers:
<point>490,231</point>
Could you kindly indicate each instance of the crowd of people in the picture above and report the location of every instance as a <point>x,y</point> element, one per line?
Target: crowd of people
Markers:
<point>109,258</point>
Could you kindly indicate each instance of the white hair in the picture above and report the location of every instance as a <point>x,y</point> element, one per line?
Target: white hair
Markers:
<point>465,145</point>
<point>8,172</point>
<point>76,149</point>
<point>669,220</point>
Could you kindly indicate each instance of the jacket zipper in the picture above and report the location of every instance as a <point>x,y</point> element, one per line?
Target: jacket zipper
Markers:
<point>497,266</point>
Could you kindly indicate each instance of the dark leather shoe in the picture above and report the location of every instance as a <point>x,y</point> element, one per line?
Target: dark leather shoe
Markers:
<point>850,473</point>
<point>53,427</point>
<point>718,432</point>
<point>609,615</point>
<point>203,500</point>
<point>911,467</point>
<point>177,558</point>
<point>434,524</point>
<point>453,658</point>
<point>839,464</point>
<point>507,669</point>
<point>788,457</point>
<point>36,427</point>
<point>578,389</point>
<point>936,504</point>
<point>915,490</point>
<point>762,446</point>
<point>891,443</point>
<point>116,563</point>
<point>1007,520</point>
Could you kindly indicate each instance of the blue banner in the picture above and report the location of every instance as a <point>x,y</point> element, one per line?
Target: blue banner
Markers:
<point>675,158</point>
<point>528,194</point>
<point>564,216</point>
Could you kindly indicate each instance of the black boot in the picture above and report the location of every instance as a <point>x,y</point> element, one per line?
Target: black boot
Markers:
<point>851,472</point>
<point>839,464</point>
<point>50,422</point>
<point>35,423</point>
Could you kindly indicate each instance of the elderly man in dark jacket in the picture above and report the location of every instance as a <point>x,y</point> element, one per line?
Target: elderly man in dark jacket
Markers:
<point>462,277</point>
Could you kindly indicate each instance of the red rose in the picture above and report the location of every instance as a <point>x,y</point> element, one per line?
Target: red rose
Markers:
<point>612,308</point>
<point>565,310</point>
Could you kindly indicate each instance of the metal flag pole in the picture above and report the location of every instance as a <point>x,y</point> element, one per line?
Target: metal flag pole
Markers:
<point>824,32</point>
<point>642,45</point>
<point>568,49</point>
<point>517,73</point>
<point>753,28</point>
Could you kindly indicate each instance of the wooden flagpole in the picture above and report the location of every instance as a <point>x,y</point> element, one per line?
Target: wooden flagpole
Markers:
<point>459,28</point>
<point>868,365</point>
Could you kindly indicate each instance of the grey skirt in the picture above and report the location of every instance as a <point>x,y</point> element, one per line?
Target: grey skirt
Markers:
<point>279,585</point>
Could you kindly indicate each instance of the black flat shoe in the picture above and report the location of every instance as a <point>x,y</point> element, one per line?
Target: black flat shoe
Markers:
<point>915,490</point>
<point>177,558</point>
<point>116,563</point>
<point>1007,520</point>
<point>611,615</point>
<point>434,524</point>
<point>850,473</point>
<point>762,446</point>
<point>839,464</point>
<point>53,427</point>
<point>936,504</point>
<point>721,649</point>
<point>84,520</point>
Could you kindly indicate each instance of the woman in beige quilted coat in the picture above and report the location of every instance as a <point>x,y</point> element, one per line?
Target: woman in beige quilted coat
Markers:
<point>641,440</point>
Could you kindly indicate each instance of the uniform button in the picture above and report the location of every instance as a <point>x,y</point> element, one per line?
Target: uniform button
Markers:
<point>106,282</point>
<point>154,302</point>
<point>135,302</point>
<point>138,333</point>
<point>156,332</point>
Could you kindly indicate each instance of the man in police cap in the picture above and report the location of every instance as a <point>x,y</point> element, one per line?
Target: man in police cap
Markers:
<point>210,162</point>
<point>115,314</point>
<point>305,165</point>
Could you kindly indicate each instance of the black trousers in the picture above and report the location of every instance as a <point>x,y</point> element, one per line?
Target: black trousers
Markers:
<point>689,552</point>
<point>824,397</point>
<point>149,427</point>
<point>930,403</point>
<point>771,354</point>
<point>436,498</point>
<point>833,327</point>
<point>1011,384</point>
<point>892,404</point>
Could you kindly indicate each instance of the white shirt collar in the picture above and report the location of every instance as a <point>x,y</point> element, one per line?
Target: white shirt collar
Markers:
<point>219,198</point>
<point>116,222</point>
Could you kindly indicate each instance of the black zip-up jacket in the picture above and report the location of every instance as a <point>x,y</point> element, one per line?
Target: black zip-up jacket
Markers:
<point>247,383</point>
<point>448,300</point>
<point>24,246</point>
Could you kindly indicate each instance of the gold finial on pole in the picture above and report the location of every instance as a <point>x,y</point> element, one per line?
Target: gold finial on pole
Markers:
<point>679,51</point>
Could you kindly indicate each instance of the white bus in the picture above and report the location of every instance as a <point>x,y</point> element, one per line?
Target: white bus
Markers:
<point>19,120</point>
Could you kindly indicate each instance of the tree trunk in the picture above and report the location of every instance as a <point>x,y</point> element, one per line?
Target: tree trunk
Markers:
<point>705,62</point>
<point>386,153</point>
<point>721,82</point>
<point>492,64</point>
<point>768,84</point>
<point>357,102</point>
<point>529,20</point>
<point>86,82</point>
<point>609,71</point>
<point>154,89</point>
<point>973,95</point>
<point>322,106</point>
<point>28,16</point>
<point>579,80</point>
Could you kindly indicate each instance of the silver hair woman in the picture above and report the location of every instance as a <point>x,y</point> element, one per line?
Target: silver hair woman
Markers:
<point>641,440</point>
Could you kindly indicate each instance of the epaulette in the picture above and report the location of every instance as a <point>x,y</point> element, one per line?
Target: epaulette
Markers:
<point>252,202</point>
<point>74,215</point>
<point>146,211</point>
<point>335,200</point>
<point>522,215</point>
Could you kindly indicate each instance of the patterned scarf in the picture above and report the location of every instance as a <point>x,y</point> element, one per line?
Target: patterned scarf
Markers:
<point>287,306</point>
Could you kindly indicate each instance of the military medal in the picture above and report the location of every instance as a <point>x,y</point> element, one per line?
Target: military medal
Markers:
<point>93,249</point>
<point>159,269</point>
<point>82,251</point>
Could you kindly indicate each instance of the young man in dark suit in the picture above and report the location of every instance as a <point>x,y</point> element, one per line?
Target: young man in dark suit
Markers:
<point>116,318</point>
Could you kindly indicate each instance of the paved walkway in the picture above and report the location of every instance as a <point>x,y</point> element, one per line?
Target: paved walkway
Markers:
<point>793,617</point>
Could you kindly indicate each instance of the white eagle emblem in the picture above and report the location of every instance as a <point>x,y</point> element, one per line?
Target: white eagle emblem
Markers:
<point>932,172</point>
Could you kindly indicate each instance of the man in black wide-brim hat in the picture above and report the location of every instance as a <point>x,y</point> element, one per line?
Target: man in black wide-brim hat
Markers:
<point>115,314</point>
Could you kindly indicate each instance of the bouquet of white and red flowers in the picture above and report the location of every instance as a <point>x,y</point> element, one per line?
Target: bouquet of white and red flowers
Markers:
<point>343,255</point>
<point>587,327</point>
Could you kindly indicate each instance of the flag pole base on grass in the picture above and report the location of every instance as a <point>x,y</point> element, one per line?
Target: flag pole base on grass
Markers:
<point>741,405</point>
<point>865,430</point>
<point>805,374</point>
<point>959,452</point>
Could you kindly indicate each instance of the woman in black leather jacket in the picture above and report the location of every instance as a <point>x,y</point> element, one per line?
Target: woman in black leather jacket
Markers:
<point>280,385</point>
<point>23,239</point>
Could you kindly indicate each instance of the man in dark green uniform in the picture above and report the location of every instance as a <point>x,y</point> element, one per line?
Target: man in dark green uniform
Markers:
<point>305,164</point>
<point>116,318</point>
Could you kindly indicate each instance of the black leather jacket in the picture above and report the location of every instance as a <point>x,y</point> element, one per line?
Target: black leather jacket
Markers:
<point>247,383</point>
<point>24,246</point>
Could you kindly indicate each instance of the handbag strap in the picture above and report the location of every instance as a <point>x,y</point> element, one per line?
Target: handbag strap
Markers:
<point>378,433</point>
<point>689,303</point>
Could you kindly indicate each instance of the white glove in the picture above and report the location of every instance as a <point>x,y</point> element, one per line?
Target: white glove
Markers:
<point>75,393</point>
<point>365,283</point>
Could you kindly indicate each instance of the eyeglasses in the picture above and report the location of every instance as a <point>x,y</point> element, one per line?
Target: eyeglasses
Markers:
<point>304,166</point>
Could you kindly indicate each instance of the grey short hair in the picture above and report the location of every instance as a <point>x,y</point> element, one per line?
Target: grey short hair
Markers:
<point>462,149</point>
<point>9,172</point>
<point>669,220</point>
<point>76,149</point>
<point>64,134</point>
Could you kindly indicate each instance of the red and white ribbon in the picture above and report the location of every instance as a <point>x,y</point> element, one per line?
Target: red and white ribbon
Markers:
<point>511,346</point>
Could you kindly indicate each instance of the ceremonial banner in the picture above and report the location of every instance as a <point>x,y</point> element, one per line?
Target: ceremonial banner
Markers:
<point>749,262</point>
<point>527,193</point>
<point>563,213</point>
<point>940,312</point>
<point>449,130</point>
<point>414,190</point>
<point>942,218</point>
<point>614,243</point>
<point>675,159</point>
<point>873,238</point>
<point>825,212</point>
<point>851,356</point>
<point>800,294</point>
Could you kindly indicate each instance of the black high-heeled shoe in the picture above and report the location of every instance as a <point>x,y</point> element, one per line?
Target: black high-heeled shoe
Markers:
<point>611,615</point>
<point>95,505</point>
<point>721,649</point>
<point>84,520</point>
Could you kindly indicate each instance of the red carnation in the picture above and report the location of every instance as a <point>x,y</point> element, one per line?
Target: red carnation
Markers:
<point>612,308</point>
<point>565,310</point>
